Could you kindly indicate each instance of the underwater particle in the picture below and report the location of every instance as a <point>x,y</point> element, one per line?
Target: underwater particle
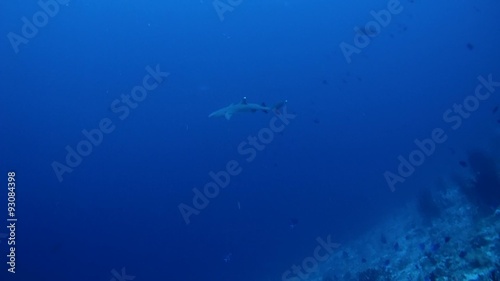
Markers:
<point>435,247</point>
<point>293,222</point>
<point>227,257</point>
<point>345,255</point>
<point>462,254</point>
<point>383,239</point>
<point>463,164</point>
<point>55,248</point>
<point>470,46</point>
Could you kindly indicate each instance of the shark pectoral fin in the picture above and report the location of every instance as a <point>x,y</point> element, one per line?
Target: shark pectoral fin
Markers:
<point>228,115</point>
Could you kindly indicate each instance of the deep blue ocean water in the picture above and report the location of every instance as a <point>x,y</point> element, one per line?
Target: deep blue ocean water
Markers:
<point>68,66</point>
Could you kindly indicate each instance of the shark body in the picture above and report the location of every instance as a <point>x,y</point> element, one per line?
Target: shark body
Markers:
<point>244,106</point>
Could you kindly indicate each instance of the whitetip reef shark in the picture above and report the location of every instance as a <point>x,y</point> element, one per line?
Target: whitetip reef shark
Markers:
<point>244,106</point>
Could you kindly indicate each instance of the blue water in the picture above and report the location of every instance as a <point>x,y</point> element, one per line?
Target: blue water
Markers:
<point>118,207</point>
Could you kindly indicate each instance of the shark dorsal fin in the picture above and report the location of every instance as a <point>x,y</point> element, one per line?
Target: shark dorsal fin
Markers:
<point>244,100</point>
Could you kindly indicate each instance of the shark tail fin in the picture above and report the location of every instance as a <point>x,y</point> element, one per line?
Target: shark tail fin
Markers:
<point>278,106</point>
<point>264,105</point>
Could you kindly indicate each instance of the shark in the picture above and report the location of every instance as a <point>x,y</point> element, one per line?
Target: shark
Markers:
<point>244,106</point>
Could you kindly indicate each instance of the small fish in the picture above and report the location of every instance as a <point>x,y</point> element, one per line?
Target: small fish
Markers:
<point>227,258</point>
<point>293,222</point>
<point>463,163</point>
<point>239,205</point>
<point>447,239</point>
